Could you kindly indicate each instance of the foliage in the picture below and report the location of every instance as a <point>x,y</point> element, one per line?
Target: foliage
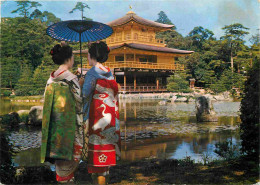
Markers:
<point>41,75</point>
<point>10,120</point>
<point>47,17</point>
<point>23,43</point>
<point>227,150</point>
<point>173,39</point>
<point>24,85</point>
<point>24,117</point>
<point>163,18</point>
<point>24,40</point>
<point>10,70</point>
<point>25,6</point>
<point>255,39</point>
<point>198,35</point>
<point>233,38</point>
<point>6,93</point>
<point>228,81</point>
<point>249,128</point>
<point>178,83</point>
<point>7,170</point>
<point>81,6</point>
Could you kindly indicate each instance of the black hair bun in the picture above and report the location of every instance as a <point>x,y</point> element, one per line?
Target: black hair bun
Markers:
<point>56,49</point>
<point>99,51</point>
<point>61,53</point>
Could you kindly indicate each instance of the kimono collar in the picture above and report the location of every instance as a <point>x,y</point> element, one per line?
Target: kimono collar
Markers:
<point>63,75</point>
<point>100,73</point>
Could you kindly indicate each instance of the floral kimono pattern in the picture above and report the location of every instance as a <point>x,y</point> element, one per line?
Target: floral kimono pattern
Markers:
<point>62,136</point>
<point>100,101</point>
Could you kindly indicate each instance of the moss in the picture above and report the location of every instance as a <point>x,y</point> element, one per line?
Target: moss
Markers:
<point>24,117</point>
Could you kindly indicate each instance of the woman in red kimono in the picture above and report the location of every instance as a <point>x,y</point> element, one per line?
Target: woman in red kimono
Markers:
<point>100,108</point>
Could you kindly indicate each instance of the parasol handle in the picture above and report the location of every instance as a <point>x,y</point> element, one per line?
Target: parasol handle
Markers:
<point>80,55</point>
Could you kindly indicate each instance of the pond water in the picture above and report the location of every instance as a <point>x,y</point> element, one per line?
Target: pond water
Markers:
<point>149,130</point>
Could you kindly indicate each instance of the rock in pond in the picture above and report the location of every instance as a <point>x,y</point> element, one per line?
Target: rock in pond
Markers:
<point>35,115</point>
<point>204,110</point>
<point>163,102</point>
<point>181,99</point>
<point>21,112</point>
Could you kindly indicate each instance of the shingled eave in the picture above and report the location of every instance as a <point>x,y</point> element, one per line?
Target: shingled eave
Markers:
<point>152,48</point>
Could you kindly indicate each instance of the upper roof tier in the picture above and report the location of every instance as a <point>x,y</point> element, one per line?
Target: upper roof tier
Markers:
<point>131,16</point>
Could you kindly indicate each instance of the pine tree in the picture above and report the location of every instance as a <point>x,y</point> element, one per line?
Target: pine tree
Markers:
<point>24,7</point>
<point>10,71</point>
<point>81,6</point>
<point>163,18</point>
<point>25,84</point>
<point>178,83</point>
<point>42,73</point>
<point>250,114</point>
<point>233,37</point>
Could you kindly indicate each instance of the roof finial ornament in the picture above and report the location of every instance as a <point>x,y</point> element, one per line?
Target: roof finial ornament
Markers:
<point>130,12</point>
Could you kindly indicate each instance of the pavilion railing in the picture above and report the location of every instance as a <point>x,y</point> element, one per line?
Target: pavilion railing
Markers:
<point>113,40</point>
<point>143,65</point>
<point>142,88</point>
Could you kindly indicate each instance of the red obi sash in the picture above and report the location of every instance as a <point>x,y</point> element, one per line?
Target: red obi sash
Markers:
<point>104,131</point>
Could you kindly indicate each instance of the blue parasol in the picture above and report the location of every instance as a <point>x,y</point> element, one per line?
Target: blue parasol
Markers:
<point>79,31</point>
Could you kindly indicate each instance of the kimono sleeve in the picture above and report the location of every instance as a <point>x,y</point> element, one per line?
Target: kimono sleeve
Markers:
<point>87,93</point>
<point>47,109</point>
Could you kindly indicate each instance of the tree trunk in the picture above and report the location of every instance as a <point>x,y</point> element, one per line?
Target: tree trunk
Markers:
<point>232,62</point>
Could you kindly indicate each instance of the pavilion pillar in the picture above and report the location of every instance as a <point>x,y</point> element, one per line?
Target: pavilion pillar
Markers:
<point>134,82</point>
<point>157,83</point>
<point>124,81</point>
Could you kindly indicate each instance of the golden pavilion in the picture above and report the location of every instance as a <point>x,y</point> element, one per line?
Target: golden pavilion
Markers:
<point>139,61</point>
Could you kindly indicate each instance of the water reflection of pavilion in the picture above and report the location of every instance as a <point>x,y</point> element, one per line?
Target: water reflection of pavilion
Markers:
<point>135,120</point>
<point>166,147</point>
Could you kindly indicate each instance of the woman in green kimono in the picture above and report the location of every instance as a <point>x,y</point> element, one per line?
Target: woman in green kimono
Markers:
<point>62,127</point>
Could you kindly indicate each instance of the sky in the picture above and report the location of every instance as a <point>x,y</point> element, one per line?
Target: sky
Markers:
<point>184,14</point>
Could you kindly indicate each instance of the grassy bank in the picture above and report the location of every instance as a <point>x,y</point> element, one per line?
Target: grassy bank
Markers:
<point>156,171</point>
<point>39,97</point>
<point>27,99</point>
<point>185,171</point>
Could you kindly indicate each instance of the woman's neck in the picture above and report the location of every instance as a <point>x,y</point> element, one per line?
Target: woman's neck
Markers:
<point>99,65</point>
<point>61,68</point>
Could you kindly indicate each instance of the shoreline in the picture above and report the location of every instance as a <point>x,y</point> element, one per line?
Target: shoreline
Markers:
<point>155,96</point>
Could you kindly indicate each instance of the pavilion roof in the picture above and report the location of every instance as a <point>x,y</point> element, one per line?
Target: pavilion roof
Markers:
<point>145,47</point>
<point>131,16</point>
<point>152,48</point>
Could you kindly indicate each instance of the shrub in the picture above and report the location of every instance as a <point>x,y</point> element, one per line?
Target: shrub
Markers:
<point>24,117</point>
<point>10,120</point>
<point>7,170</point>
<point>178,83</point>
<point>6,92</point>
<point>249,128</point>
<point>227,150</point>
